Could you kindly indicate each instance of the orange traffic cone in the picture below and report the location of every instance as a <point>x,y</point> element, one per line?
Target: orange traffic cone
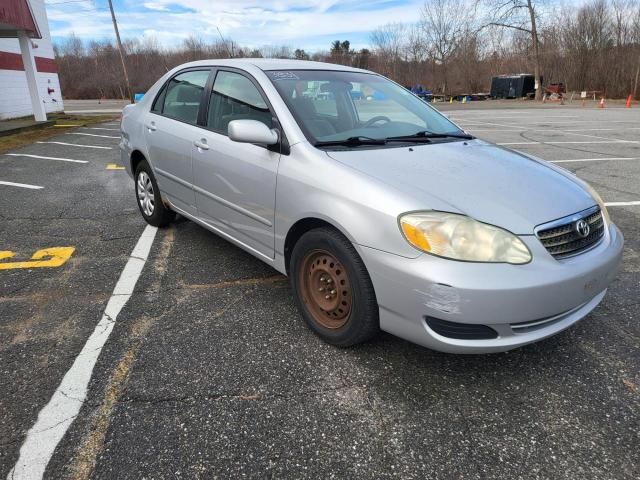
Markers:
<point>601,104</point>
<point>629,100</point>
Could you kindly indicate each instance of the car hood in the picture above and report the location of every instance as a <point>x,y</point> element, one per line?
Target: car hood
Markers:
<point>489,183</point>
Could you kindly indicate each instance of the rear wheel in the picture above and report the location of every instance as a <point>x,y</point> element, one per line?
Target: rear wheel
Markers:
<point>149,200</point>
<point>332,288</point>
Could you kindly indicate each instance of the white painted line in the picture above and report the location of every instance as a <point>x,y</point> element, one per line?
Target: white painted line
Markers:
<point>95,110</point>
<point>594,159</point>
<point>57,415</point>
<point>101,128</point>
<point>621,204</point>
<point>597,129</point>
<point>46,158</point>
<point>573,123</point>
<point>549,130</point>
<point>77,145</point>
<point>553,142</point>
<point>519,117</point>
<point>91,135</point>
<point>21,185</point>
<point>494,130</point>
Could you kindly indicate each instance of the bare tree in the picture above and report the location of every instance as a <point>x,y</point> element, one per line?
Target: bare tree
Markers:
<point>522,16</point>
<point>387,40</point>
<point>443,23</point>
<point>593,46</point>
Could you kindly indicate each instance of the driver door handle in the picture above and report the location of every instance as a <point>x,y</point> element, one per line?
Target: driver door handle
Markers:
<point>201,144</point>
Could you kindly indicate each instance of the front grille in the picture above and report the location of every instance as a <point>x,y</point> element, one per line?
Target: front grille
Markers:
<point>461,331</point>
<point>563,239</point>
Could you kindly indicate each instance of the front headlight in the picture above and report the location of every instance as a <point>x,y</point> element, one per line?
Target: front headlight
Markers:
<point>598,199</point>
<point>459,237</point>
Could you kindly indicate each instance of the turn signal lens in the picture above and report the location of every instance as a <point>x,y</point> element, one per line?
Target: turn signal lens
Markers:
<point>459,237</point>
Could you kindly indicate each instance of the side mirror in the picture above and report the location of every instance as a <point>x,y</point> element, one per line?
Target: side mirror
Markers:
<point>252,131</point>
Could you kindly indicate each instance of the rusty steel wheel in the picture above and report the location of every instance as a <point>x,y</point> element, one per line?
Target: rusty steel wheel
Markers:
<point>332,288</point>
<point>325,289</point>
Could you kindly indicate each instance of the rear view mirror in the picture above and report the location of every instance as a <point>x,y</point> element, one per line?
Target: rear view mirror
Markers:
<point>252,131</point>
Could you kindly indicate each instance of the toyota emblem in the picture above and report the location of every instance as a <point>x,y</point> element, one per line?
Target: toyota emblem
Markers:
<point>582,228</point>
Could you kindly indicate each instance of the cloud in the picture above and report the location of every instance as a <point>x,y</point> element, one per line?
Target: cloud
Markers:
<point>156,6</point>
<point>298,23</point>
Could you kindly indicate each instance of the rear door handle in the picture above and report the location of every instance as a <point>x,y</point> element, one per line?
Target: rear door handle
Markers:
<point>201,144</point>
<point>152,127</point>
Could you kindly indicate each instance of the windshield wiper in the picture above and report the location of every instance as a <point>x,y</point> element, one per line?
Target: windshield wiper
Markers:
<point>352,142</point>
<point>426,135</point>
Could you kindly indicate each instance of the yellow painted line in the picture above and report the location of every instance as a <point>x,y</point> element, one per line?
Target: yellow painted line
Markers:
<point>70,125</point>
<point>114,166</point>
<point>47,257</point>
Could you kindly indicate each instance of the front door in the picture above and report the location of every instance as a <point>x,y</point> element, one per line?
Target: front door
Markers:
<point>235,183</point>
<point>169,129</point>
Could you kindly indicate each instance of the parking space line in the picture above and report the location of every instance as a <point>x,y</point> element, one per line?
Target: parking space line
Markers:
<point>552,130</point>
<point>114,166</point>
<point>561,142</point>
<point>603,129</point>
<point>21,185</point>
<point>593,159</point>
<point>57,159</point>
<point>78,145</point>
<point>91,135</point>
<point>621,204</point>
<point>63,407</point>
<point>103,110</point>
<point>101,128</point>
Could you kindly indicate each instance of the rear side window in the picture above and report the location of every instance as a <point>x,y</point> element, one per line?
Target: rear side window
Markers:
<point>235,97</point>
<point>183,94</point>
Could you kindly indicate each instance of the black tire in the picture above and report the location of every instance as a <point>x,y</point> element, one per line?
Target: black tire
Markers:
<point>362,323</point>
<point>160,215</point>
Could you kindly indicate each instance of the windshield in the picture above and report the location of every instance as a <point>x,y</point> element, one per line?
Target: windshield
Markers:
<point>334,106</point>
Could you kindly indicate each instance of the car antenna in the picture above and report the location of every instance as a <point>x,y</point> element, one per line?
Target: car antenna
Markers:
<point>224,42</point>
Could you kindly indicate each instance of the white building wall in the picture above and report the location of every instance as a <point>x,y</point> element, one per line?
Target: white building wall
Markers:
<point>14,92</point>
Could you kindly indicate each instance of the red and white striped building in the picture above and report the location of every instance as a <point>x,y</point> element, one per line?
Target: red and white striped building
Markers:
<point>29,82</point>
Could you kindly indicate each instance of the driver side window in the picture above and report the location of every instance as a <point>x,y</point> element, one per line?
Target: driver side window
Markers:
<point>235,97</point>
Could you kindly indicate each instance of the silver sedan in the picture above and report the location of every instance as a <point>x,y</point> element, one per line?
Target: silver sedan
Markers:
<point>384,214</point>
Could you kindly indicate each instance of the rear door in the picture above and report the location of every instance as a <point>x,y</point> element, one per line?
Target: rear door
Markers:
<point>170,127</point>
<point>235,183</point>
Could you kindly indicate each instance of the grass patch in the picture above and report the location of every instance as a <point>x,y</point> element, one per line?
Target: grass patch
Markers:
<point>11,142</point>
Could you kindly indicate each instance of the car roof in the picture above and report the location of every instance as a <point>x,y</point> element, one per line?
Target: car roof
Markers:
<point>266,64</point>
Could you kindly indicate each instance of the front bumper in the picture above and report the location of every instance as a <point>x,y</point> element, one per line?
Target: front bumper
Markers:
<point>544,296</point>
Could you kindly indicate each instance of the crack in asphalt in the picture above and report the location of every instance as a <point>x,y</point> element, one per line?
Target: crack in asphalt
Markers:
<point>141,399</point>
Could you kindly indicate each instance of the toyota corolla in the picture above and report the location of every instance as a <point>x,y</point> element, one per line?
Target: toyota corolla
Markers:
<point>384,214</point>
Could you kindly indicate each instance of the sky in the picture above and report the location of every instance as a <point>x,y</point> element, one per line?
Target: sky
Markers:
<point>308,24</point>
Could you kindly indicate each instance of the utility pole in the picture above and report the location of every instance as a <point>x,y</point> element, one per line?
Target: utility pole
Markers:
<point>635,84</point>
<point>124,67</point>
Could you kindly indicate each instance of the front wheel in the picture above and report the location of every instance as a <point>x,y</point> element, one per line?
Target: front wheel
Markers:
<point>332,288</point>
<point>149,200</point>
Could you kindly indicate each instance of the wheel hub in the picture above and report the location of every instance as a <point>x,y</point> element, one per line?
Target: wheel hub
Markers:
<point>326,289</point>
<point>146,197</point>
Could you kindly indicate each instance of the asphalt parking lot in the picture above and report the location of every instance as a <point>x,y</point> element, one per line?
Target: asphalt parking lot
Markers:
<point>209,372</point>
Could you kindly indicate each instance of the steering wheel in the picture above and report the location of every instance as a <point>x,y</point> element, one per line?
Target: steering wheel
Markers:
<point>378,118</point>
